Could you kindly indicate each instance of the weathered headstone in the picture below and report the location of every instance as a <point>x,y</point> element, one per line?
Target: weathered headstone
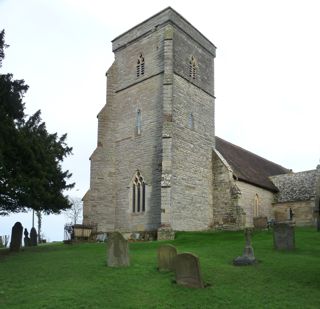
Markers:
<point>187,270</point>
<point>16,237</point>
<point>26,238</point>
<point>260,223</point>
<point>166,256</point>
<point>33,237</point>
<point>247,257</point>
<point>283,236</point>
<point>118,251</point>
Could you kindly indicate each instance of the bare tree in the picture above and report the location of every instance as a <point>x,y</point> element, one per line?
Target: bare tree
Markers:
<point>75,212</point>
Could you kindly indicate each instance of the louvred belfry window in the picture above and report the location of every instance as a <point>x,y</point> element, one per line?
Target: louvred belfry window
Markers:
<point>140,66</point>
<point>192,68</point>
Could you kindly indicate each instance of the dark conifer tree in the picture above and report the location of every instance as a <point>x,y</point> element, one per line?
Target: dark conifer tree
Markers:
<point>31,176</point>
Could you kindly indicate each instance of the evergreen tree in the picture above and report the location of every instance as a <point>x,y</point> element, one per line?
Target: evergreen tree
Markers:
<point>31,176</point>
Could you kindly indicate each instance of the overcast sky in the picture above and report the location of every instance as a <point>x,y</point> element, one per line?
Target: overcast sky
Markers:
<point>266,78</point>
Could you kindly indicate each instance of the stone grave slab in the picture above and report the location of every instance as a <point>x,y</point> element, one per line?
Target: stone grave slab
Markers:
<point>118,251</point>
<point>33,237</point>
<point>166,256</point>
<point>16,237</point>
<point>283,236</point>
<point>187,270</point>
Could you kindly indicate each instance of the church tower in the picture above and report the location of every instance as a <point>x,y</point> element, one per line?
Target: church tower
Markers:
<point>153,163</point>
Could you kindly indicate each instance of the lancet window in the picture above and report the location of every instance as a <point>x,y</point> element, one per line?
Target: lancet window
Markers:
<point>138,193</point>
<point>191,121</point>
<point>256,206</point>
<point>138,122</point>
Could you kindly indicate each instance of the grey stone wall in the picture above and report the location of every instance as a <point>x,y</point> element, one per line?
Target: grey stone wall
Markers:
<point>138,152</point>
<point>184,48</point>
<point>234,201</point>
<point>247,202</point>
<point>300,192</point>
<point>226,212</point>
<point>99,201</point>
<point>121,151</point>
<point>191,157</point>
<point>303,212</point>
<point>174,159</point>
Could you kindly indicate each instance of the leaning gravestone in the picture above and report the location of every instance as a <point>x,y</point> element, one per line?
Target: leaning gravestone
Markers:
<point>16,237</point>
<point>247,257</point>
<point>166,256</point>
<point>33,237</point>
<point>118,251</point>
<point>283,236</point>
<point>187,269</point>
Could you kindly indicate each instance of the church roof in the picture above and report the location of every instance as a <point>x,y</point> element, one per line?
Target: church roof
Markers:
<point>300,186</point>
<point>249,167</point>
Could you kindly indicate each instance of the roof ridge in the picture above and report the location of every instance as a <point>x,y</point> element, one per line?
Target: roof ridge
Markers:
<point>243,149</point>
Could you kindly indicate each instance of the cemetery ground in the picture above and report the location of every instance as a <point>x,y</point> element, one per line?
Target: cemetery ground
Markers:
<point>76,276</point>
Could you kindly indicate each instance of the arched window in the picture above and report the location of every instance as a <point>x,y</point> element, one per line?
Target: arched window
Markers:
<point>140,66</point>
<point>138,193</point>
<point>192,68</point>
<point>138,122</point>
<point>256,206</point>
<point>191,121</point>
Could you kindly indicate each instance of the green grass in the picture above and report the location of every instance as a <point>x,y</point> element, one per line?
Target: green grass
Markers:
<point>76,276</point>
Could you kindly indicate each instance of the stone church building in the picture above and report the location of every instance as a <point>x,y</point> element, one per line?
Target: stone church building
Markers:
<point>158,162</point>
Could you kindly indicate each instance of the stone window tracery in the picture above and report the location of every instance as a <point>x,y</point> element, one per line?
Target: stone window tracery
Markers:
<point>192,68</point>
<point>138,193</point>
<point>140,66</point>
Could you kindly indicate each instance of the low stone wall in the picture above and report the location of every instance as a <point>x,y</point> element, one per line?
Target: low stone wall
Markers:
<point>303,212</point>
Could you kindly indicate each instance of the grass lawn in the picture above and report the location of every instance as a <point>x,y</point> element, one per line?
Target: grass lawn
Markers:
<point>76,276</point>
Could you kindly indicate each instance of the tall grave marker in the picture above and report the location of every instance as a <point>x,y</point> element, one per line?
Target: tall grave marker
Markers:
<point>118,251</point>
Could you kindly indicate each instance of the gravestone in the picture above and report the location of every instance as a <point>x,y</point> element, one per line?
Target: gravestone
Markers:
<point>33,237</point>
<point>26,238</point>
<point>247,257</point>
<point>260,223</point>
<point>187,270</point>
<point>283,236</point>
<point>16,237</point>
<point>166,256</point>
<point>118,251</point>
